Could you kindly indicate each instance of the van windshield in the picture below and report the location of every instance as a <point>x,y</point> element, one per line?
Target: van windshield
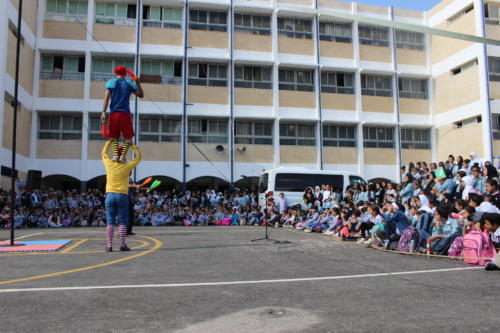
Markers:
<point>356,180</point>
<point>263,182</point>
<point>298,182</point>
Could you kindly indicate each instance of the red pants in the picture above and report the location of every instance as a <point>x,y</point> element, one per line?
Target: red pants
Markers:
<point>120,123</point>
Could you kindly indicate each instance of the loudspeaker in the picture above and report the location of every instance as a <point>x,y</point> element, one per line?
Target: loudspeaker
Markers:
<point>34,179</point>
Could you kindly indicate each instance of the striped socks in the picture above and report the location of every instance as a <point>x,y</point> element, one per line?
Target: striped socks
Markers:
<point>110,231</point>
<point>114,145</point>
<point>125,150</point>
<point>122,231</point>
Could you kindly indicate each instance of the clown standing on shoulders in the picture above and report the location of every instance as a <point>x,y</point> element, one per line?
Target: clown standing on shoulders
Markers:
<point>118,91</point>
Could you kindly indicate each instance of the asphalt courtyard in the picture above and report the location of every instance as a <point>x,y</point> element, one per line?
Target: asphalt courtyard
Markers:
<point>214,279</point>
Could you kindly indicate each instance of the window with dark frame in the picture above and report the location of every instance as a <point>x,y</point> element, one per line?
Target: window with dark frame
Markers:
<point>336,135</point>
<point>378,137</point>
<point>294,134</point>
<point>252,23</point>
<point>415,138</point>
<point>337,82</point>
<point>59,127</point>
<point>253,132</point>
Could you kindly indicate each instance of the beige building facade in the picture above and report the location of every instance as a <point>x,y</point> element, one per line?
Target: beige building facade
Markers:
<point>234,87</point>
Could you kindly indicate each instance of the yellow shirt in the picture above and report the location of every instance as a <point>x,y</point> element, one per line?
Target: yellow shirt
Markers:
<point>118,174</point>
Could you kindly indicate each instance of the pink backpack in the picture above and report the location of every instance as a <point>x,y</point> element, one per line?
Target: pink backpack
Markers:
<point>477,248</point>
<point>187,223</point>
<point>225,221</point>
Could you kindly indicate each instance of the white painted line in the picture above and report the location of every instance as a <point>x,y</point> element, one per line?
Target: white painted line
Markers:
<point>232,283</point>
<point>26,236</point>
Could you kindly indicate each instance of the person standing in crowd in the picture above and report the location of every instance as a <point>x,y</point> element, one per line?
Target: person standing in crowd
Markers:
<point>117,201</point>
<point>281,203</point>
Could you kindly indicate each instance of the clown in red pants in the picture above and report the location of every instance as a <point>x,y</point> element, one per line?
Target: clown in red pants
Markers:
<point>117,97</point>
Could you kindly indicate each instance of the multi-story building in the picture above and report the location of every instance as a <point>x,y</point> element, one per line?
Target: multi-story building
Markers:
<point>237,86</point>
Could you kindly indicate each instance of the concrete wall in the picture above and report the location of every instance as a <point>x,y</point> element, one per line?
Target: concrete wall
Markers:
<point>340,155</point>
<point>375,53</point>
<point>299,46</point>
<point>254,153</point>
<point>114,33</point>
<point>59,149</point>
<point>411,57</point>
<point>298,154</point>
<point>163,36</point>
<point>23,138</point>
<point>251,96</point>
<point>162,92</point>
<point>380,156</point>
<point>65,30</point>
<point>209,150</point>
<point>61,88</point>
<point>27,62</point>
<point>414,106</point>
<point>250,42</point>
<point>377,104</point>
<point>459,141</point>
<point>336,49</point>
<point>210,95</point>
<point>297,99</point>
<point>416,155</point>
<point>338,101</point>
<point>443,47</point>
<point>211,39</point>
<point>161,151</point>
<point>494,89</point>
<point>453,91</point>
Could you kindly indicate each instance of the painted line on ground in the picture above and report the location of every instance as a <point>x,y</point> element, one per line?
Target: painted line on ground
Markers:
<point>74,245</point>
<point>157,244</point>
<point>10,254</point>
<point>232,283</point>
<point>25,236</point>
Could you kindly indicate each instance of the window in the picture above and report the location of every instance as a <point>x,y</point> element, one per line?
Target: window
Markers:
<point>415,138</point>
<point>102,68</point>
<point>162,17</point>
<point>254,24</point>
<point>66,10</point>
<point>55,67</point>
<point>335,32</point>
<point>412,88</point>
<point>295,28</point>
<point>207,131</point>
<point>494,68</point>
<point>297,134</point>
<point>464,67</point>
<point>374,36</point>
<point>491,14</point>
<point>461,13</point>
<point>207,20</point>
<point>203,74</point>
<point>468,122</point>
<point>410,40</point>
<point>252,77</point>
<point>337,82</point>
<point>253,132</point>
<point>295,79</point>
<point>339,135</point>
<point>298,182</point>
<point>165,72</point>
<point>60,127</point>
<point>95,127</point>
<point>375,85</point>
<point>496,126</point>
<point>115,13</point>
<point>159,129</point>
<point>378,137</point>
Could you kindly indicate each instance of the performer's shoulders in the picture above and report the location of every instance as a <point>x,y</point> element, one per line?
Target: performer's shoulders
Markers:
<point>111,84</point>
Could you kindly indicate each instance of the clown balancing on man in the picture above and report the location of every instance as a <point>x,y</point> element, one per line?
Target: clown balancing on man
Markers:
<point>118,91</point>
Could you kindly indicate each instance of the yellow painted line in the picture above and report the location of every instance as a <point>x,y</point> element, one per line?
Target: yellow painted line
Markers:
<point>74,246</point>
<point>157,244</point>
<point>143,244</point>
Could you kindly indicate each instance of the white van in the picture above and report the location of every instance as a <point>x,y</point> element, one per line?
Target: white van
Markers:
<point>293,181</point>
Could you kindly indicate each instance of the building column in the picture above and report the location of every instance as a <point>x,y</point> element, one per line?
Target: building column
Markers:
<point>276,90</point>
<point>357,93</point>
<point>395,94</point>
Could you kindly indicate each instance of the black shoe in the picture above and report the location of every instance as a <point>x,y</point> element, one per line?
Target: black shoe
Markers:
<point>130,233</point>
<point>491,267</point>
<point>124,248</point>
<point>109,249</point>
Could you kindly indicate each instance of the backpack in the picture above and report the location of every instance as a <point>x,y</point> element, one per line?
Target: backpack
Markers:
<point>456,247</point>
<point>477,248</point>
<point>411,233</point>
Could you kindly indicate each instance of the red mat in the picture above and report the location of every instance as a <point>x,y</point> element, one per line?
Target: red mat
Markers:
<point>34,246</point>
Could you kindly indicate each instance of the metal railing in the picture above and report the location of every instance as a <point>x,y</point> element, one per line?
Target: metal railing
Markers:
<point>208,26</point>
<point>253,30</point>
<point>115,20</point>
<point>161,24</point>
<point>413,94</point>
<point>101,76</point>
<point>51,75</point>
<point>337,90</point>
<point>296,86</point>
<point>294,34</point>
<point>207,82</point>
<point>377,92</point>
<point>253,84</point>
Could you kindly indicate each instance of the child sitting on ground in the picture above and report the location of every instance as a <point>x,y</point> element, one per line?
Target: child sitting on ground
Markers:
<point>492,225</point>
